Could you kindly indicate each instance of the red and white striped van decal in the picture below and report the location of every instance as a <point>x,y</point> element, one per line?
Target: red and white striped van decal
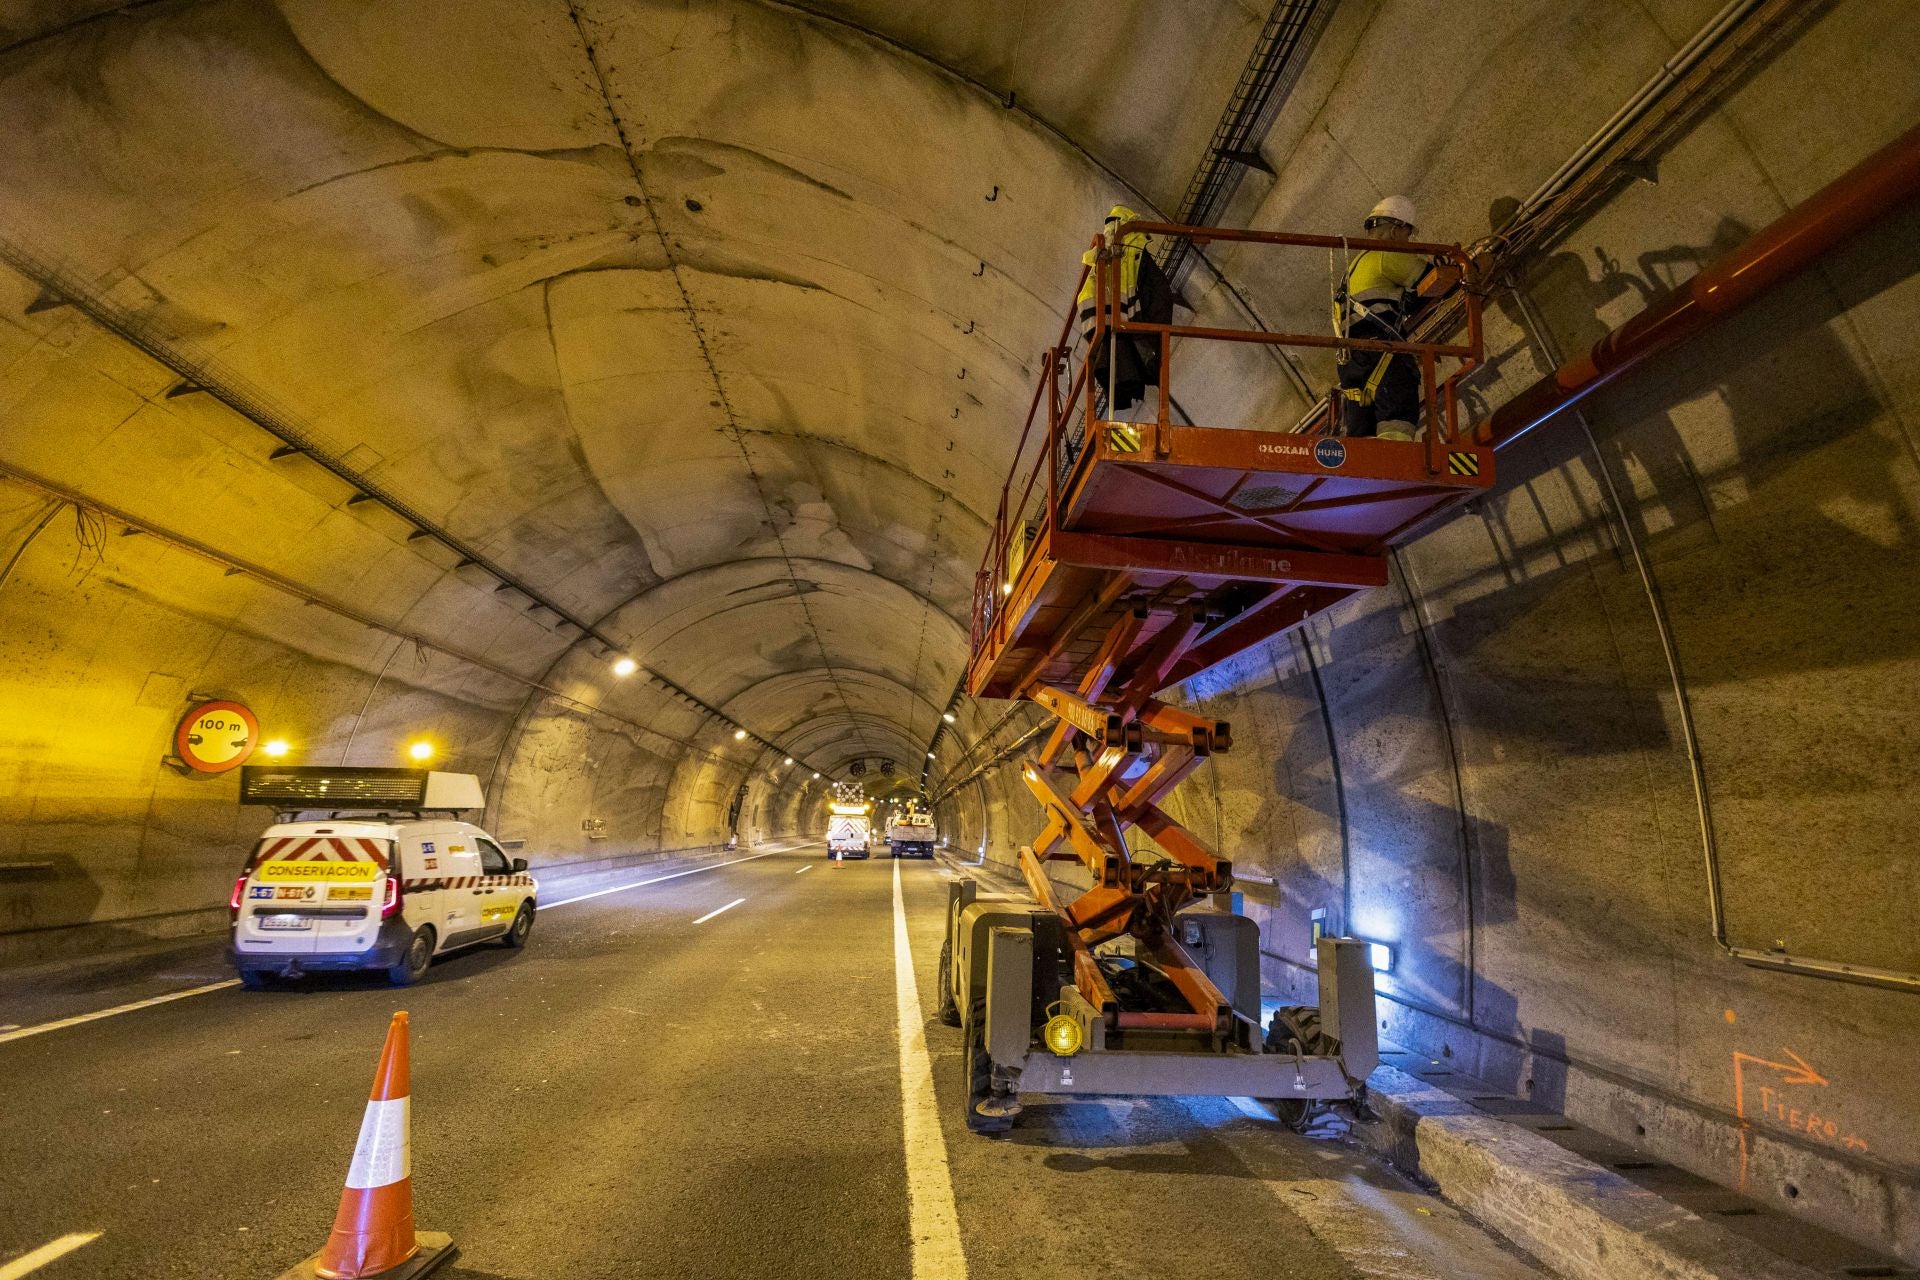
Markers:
<point>322,849</point>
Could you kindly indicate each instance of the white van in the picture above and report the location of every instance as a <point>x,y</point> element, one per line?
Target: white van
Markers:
<point>371,890</point>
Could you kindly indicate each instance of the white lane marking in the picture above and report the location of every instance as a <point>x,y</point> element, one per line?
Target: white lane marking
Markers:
<point>30,1262</point>
<point>118,1009</point>
<point>717,910</point>
<point>935,1224</point>
<point>808,867</point>
<point>21,1033</point>
<point>641,884</point>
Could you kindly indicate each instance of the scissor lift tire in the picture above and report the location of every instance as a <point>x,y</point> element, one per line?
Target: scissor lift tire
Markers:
<point>979,1069</point>
<point>949,1010</point>
<point>1296,1029</point>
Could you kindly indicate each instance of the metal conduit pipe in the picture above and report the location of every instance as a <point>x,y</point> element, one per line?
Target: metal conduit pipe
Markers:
<point>1633,136</point>
<point>1880,185</point>
<point>1669,74</point>
<point>999,757</point>
<point>1871,190</point>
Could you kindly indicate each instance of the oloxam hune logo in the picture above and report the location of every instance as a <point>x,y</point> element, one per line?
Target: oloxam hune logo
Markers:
<point>1330,453</point>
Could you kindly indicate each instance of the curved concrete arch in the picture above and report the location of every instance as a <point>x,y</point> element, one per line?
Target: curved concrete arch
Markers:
<point>777,684</point>
<point>697,579</point>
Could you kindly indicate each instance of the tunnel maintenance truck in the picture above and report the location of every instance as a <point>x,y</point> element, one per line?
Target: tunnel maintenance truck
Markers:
<point>849,828</point>
<point>910,834</point>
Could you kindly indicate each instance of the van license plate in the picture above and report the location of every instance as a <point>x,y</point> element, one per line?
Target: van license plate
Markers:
<point>285,922</point>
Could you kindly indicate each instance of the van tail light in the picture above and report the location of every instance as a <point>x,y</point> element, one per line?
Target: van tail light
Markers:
<point>391,903</point>
<point>239,889</point>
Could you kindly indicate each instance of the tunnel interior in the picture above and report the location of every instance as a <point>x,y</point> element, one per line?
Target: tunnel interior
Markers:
<point>398,370</point>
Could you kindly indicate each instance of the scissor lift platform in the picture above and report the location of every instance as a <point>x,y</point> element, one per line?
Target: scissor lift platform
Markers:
<point>1251,531</point>
<point>1151,552</point>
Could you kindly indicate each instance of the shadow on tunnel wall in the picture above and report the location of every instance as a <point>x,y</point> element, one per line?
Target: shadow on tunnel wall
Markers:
<point>1793,384</point>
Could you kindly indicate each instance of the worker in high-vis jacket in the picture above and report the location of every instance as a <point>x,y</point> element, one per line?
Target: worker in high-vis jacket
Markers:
<point>1380,390</point>
<point>1123,364</point>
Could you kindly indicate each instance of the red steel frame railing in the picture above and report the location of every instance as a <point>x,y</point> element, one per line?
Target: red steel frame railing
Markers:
<point>1078,399</point>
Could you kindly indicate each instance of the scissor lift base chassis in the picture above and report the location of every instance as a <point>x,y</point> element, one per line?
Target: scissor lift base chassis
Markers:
<point>1000,981</point>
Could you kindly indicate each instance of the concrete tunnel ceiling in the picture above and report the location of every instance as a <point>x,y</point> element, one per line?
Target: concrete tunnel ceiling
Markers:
<point>659,305</point>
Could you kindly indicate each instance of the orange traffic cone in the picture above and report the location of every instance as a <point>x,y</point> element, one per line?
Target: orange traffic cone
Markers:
<point>373,1234</point>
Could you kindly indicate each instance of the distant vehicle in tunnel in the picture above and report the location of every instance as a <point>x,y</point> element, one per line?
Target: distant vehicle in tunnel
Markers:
<point>911,835</point>
<point>366,888</point>
<point>848,835</point>
<point>849,828</point>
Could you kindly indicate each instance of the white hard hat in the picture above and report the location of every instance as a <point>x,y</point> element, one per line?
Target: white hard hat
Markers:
<point>1398,208</point>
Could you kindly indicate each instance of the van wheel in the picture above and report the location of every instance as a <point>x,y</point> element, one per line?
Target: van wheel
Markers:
<point>413,965</point>
<point>516,937</point>
<point>256,980</point>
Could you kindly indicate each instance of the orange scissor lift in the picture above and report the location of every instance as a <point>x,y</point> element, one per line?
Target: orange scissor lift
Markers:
<point>1152,552</point>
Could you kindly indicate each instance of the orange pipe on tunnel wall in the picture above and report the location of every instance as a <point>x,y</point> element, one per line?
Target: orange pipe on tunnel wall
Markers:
<point>1848,205</point>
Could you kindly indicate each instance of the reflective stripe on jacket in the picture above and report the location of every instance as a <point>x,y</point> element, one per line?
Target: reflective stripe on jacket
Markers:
<point>1378,281</point>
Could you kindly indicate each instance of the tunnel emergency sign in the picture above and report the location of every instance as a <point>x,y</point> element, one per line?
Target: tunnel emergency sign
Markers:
<point>214,737</point>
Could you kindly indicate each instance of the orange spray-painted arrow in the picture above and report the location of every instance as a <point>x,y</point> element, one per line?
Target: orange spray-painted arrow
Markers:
<point>1797,1072</point>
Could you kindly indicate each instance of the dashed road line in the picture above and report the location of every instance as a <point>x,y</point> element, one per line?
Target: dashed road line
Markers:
<point>808,867</point>
<point>937,1253</point>
<point>641,884</point>
<point>717,910</point>
<point>28,1263</point>
<point>118,1009</point>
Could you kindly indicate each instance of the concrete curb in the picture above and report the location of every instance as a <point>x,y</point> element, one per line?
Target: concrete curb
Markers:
<point>1584,1221</point>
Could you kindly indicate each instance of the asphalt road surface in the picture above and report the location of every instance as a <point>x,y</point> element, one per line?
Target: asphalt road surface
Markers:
<point>652,1090</point>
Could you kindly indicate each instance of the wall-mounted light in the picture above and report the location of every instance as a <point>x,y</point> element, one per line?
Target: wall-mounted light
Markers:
<point>789,759</point>
<point>816,777</point>
<point>931,756</point>
<point>421,751</point>
<point>739,735</point>
<point>1381,955</point>
<point>275,747</point>
<point>625,667</point>
<point>948,716</point>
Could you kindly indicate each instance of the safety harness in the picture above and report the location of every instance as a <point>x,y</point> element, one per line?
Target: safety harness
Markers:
<point>1347,310</point>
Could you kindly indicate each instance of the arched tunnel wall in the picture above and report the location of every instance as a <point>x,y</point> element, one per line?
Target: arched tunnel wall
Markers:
<point>109,637</point>
<point>595,359</point>
<point>1484,765</point>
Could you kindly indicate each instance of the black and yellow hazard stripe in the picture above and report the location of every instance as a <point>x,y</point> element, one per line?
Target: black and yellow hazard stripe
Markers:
<point>1123,438</point>
<point>1463,464</point>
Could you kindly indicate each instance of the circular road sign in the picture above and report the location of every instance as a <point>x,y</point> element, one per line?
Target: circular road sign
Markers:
<point>214,737</point>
